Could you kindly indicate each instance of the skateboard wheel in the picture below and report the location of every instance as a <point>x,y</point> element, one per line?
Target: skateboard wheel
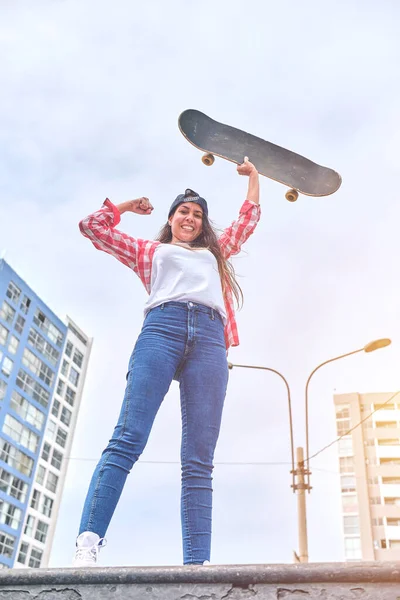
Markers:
<point>208,159</point>
<point>292,195</point>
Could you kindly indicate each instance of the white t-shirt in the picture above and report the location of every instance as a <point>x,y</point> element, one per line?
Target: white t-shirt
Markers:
<point>182,274</point>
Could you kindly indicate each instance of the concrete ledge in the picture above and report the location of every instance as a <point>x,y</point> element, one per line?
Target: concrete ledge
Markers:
<point>369,581</point>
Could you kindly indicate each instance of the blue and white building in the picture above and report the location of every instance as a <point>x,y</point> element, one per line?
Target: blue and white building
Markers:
<point>43,363</point>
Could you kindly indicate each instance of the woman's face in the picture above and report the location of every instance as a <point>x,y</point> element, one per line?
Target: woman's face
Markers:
<point>186,222</point>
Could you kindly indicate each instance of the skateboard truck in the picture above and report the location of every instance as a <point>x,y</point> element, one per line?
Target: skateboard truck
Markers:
<point>208,159</point>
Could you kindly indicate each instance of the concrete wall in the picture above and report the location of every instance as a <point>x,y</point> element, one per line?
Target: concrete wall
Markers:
<point>336,581</point>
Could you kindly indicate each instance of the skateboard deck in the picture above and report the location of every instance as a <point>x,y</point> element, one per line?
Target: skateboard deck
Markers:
<point>282,165</point>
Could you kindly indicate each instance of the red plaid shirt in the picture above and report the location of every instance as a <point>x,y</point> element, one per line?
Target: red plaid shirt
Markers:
<point>138,254</point>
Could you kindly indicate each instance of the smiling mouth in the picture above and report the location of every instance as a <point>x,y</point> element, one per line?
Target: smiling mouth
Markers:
<point>187,228</point>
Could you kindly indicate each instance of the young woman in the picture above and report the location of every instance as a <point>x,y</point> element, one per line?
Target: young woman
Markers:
<point>189,325</point>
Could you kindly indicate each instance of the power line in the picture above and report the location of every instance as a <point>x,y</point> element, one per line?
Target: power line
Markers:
<point>353,428</point>
<point>177,462</point>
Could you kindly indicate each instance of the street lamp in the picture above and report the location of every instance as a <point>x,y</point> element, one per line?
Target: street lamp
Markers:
<point>301,471</point>
<point>370,347</point>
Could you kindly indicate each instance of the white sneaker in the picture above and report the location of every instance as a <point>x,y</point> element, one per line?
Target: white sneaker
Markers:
<point>88,545</point>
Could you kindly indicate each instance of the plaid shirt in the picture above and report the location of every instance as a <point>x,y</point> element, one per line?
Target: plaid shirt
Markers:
<point>138,254</point>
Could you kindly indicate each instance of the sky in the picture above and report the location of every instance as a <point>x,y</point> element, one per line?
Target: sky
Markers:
<point>91,94</point>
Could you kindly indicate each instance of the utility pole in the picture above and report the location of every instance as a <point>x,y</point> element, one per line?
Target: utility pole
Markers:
<point>300,487</point>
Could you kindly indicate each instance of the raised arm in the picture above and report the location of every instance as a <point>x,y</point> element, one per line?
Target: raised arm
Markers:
<point>234,236</point>
<point>99,228</point>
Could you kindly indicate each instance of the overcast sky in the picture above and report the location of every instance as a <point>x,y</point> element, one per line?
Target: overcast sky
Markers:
<point>91,94</point>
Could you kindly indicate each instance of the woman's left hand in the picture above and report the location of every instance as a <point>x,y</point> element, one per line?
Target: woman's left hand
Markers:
<point>246,168</point>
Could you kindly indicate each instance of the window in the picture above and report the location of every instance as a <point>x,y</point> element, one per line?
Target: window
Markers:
<point>377,522</point>
<point>393,522</point>
<point>78,358</point>
<point>351,525</point>
<point>10,515</point>
<point>15,458</point>
<point>7,366</point>
<point>385,424</point>
<point>3,389</point>
<point>35,499</point>
<point>74,377</point>
<point>68,349</point>
<point>389,461</point>
<point>52,332</point>
<point>23,553</point>
<point>19,324</point>
<point>375,500</point>
<point>343,411</point>
<point>36,558</point>
<point>70,396</point>
<point>3,335</point>
<point>55,409</point>
<point>60,387</point>
<point>26,410</point>
<point>52,481</point>
<point>38,367</point>
<point>352,548</point>
<point>61,438</point>
<point>373,480</point>
<point>395,544</point>
<point>51,430</point>
<point>12,485</point>
<point>29,525</point>
<point>64,368</point>
<point>391,480</point>
<point>343,426</point>
<point>65,416</point>
<point>6,544</point>
<point>41,345</point>
<point>349,503</point>
<point>7,312</point>
<point>41,532</point>
<point>395,501</point>
<point>41,472</point>
<point>346,464</point>
<point>20,434</point>
<point>389,406</point>
<point>47,506</point>
<point>25,304</point>
<point>13,345</point>
<point>13,292</point>
<point>345,446</point>
<point>56,461</point>
<point>46,451</point>
<point>389,442</point>
<point>348,483</point>
<point>32,388</point>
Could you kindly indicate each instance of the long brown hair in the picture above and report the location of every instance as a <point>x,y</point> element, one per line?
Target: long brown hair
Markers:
<point>208,239</point>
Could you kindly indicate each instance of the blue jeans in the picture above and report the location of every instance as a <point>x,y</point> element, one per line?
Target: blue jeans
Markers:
<point>183,341</point>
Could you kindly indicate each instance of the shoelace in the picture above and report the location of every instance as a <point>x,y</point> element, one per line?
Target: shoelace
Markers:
<point>90,553</point>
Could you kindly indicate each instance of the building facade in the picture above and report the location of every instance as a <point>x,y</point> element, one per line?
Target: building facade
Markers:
<point>369,464</point>
<point>43,363</point>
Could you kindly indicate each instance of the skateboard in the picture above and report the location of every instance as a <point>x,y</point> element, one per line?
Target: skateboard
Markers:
<point>298,173</point>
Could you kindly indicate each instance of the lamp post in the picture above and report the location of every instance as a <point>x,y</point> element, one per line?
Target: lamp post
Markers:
<point>301,472</point>
<point>231,365</point>
<point>370,347</point>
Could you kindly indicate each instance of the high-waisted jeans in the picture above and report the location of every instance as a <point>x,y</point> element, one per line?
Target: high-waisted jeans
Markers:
<point>183,341</point>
